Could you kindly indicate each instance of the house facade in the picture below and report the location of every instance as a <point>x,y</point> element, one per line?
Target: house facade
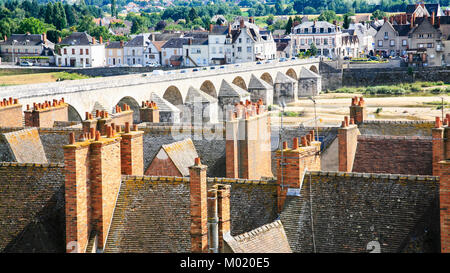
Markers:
<point>114,53</point>
<point>196,52</point>
<point>392,40</point>
<point>172,51</point>
<point>134,50</point>
<point>79,49</point>
<point>30,47</point>
<point>152,53</point>
<point>326,36</point>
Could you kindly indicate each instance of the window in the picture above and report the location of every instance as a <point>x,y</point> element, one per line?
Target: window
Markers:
<point>164,54</point>
<point>306,30</point>
<point>386,36</point>
<point>65,50</point>
<point>81,51</point>
<point>26,50</point>
<point>392,43</point>
<point>240,40</point>
<point>317,41</point>
<point>248,40</point>
<point>87,51</point>
<point>325,41</point>
<point>430,45</point>
<point>73,51</point>
<point>119,53</point>
<point>420,36</point>
<point>87,61</point>
<point>310,41</point>
<point>239,49</point>
<point>249,49</point>
<point>404,42</point>
<point>213,50</point>
<point>429,35</point>
<point>380,43</point>
<point>175,51</point>
<point>35,50</point>
<point>110,52</point>
<point>321,30</point>
<point>420,45</point>
<point>220,50</point>
<point>302,41</point>
<point>217,40</point>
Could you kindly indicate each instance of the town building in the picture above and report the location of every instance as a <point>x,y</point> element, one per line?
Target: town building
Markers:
<point>80,49</point>
<point>35,48</point>
<point>172,51</point>
<point>392,39</point>
<point>196,51</point>
<point>114,53</point>
<point>152,54</point>
<point>134,50</point>
<point>327,38</point>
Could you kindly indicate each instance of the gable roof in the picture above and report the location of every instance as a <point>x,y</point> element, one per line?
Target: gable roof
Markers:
<point>77,38</point>
<point>163,104</point>
<point>257,83</point>
<point>182,153</point>
<point>231,90</point>
<point>269,238</point>
<point>176,43</point>
<point>282,78</point>
<point>354,211</point>
<point>196,95</point>
<point>26,39</point>
<point>21,142</point>
<point>158,44</point>
<point>114,44</point>
<point>140,40</point>
<point>219,30</point>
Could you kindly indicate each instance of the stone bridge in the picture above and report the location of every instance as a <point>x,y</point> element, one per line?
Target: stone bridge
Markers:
<point>105,93</point>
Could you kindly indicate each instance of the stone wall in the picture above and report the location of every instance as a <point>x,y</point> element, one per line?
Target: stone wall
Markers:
<point>394,154</point>
<point>383,76</point>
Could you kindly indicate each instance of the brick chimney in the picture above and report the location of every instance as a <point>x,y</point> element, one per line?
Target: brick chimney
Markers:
<point>348,140</point>
<point>198,207</point>
<point>241,23</point>
<point>292,163</point>
<point>213,221</point>
<point>94,41</point>
<point>121,44</point>
<point>45,114</point>
<point>44,38</point>
<point>248,152</point>
<point>223,212</point>
<point>5,38</point>
<point>10,113</point>
<point>432,18</point>
<point>101,40</point>
<point>59,40</point>
<point>149,112</point>
<point>229,28</point>
<point>357,110</point>
<point>439,145</point>
<point>132,153</point>
<point>211,27</point>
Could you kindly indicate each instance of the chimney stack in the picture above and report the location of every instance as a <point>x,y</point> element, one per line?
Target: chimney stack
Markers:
<point>241,23</point>
<point>5,38</point>
<point>93,41</point>
<point>223,212</point>
<point>432,18</point>
<point>198,207</point>
<point>347,138</point>
<point>59,40</point>
<point>121,43</point>
<point>211,27</point>
<point>101,40</point>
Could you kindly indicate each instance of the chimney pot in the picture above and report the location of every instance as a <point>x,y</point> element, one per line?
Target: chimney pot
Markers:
<point>285,146</point>
<point>72,138</point>
<point>197,161</point>
<point>438,122</point>
<point>295,143</point>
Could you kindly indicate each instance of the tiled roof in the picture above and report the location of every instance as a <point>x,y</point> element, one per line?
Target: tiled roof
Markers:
<point>282,78</point>
<point>196,95</point>
<point>257,83</point>
<point>352,212</point>
<point>32,208</point>
<point>175,43</point>
<point>269,238</point>
<point>182,153</point>
<point>158,44</point>
<point>77,38</point>
<point>114,44</point>
<point>219,30</point>
<point>152,214</point>
<point>163,104</point>
<point>25,146</point>
<point>402,30</point>
<point>231,90</point>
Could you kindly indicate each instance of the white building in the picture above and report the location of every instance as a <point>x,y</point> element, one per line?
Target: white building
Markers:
<point>366,37</point>
<point>327,38</point>
<point>172,51</point>
<point>196,52</point>
<point>220,44</point>
<point>152,53</point>
<point>79,49</point>
<point>134,50</point>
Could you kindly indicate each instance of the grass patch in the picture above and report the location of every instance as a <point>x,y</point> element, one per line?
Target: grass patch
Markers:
<point>62,76</point>
<point>290,114</point>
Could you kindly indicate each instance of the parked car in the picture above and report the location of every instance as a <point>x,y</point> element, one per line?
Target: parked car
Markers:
<point>283,59</point>
<point>212,67</point>
<point>195,70</point>
<point>169,72</point>
<point>204,68</point>
<point>183,71</point>
<point>222,67</point>
<point>25,63</point>
<point>237,65</point>
<point>294,58</point>
<point>258,62</point>
<point>152,65</point>
<point>157,72</point>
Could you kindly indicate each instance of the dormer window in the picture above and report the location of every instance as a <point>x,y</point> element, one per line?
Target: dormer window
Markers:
<point>321,30</point>
<point>306,30</point>
<point>329,30</point>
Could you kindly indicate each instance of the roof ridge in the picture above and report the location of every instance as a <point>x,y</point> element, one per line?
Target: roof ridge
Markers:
<point>375,175</point>
<point>39,165</point>
<point>255,232</point>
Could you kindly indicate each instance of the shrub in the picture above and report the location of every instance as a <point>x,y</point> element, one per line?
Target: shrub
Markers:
<point>378,110</point>
<point>436,90</point>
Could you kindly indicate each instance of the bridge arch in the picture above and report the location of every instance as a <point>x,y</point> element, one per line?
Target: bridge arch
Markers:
<point>314,69</point>
<point>291,73</point>
<point>134,105</point>
<point>173,95</point>
<point>209,88</point>
<point>267,78</point>
<point>239,81</point>
<point>73,114</point>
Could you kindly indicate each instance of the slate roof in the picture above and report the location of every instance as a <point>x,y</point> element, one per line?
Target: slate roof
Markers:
<point>164,36</point>
<point>306,74</point>
<point>402,30</point>
<point>32,214</point>
<point>352,212</point>
<point>163,104</point>
<point>219,30</point>
<point>279,32</point>
<point>257,83</point>
<point>176,43</point>
<point>26,39</point>
<point>182,153</point>
<point>114,44</point>
<point>269,238</point>
<point>77,38</point>
<point>282,78</point>
<point>196,95</point>
<point>140,40</point>
<point>231,90</point>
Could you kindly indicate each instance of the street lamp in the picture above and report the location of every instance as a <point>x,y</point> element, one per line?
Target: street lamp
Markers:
<point>13,42</point>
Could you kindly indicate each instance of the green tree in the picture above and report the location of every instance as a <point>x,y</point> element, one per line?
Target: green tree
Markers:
<point>49,13</point>
<point>279,7</point>
<point>86,24</point>
<point>378,14</point>
<point>32,25</point>
<point>327,15</point>
<point>113,8</point>
<point>100,31</point>
<point>138,25</point>
<point>192,15</point>
<point>70,15</point>
<point>313,49</point>
<point>347,20</point>
<point>289,26</point>
<point>60,20</point>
